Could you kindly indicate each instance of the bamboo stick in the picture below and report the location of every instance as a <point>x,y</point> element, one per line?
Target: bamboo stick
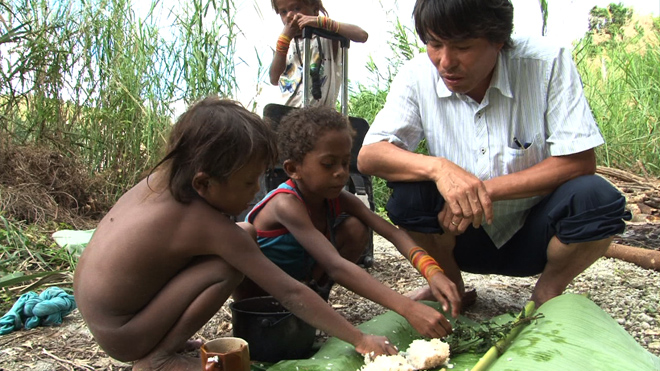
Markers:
<point>501,346</point>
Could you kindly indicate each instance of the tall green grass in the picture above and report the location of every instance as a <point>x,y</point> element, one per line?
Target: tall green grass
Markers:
<point>622,85</point>
<point>95,81</point>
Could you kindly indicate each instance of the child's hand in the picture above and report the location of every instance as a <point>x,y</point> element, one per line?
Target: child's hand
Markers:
<point>376,345</point>
<point>291,28</point>
<point>427,321</point>
<point>307,20</point>
<point>445,291</point>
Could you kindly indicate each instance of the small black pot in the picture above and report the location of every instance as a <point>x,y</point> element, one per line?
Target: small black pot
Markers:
<point>272,332</point>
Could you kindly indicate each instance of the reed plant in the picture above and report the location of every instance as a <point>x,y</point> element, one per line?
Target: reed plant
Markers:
<point>622,84</point>
<point>99,83</point>
<point>96,81</point>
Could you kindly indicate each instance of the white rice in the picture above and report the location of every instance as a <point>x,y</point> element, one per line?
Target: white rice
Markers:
<point>421,355</point>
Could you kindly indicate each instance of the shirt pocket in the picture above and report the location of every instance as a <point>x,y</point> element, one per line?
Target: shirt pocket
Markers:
<point>523,156</point>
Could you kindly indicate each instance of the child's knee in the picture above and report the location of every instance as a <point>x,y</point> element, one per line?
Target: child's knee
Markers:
<point>227,275</point>
<point>249,228</point>
<point>353,230</point>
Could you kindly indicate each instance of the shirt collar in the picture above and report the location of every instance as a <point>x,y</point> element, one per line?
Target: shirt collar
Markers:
<point>500,81</point>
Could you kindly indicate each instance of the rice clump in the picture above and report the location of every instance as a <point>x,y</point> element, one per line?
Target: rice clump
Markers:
<point>422,354</point>
<point>388,363</point>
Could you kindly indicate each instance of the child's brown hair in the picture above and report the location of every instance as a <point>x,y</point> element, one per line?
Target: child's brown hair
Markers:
<point>316,4</point>
<point>299,130</point>
<point>218,137</point>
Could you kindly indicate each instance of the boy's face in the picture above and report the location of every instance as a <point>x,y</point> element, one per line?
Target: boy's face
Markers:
<point>288,9</point>
<point>324,170</point>
<point>466,66</point>
<point>234,195</point>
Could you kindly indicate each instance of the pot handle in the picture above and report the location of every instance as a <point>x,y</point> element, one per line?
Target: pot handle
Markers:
<point>267,322</point>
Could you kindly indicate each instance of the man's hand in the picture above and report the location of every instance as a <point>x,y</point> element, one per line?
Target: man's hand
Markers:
<point>466,199</point>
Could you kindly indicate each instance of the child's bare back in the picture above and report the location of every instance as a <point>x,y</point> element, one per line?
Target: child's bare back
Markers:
<point>148,260</point>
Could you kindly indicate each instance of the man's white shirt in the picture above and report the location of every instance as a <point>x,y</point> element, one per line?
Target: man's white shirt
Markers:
<point>533,109</point>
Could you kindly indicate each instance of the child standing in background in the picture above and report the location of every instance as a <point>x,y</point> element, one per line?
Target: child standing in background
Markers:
<point>298,223</point>
<point>167,255</point>
<point>286,70</point>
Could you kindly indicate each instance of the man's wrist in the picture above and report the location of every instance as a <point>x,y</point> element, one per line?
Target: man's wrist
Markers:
<point>436,168</point>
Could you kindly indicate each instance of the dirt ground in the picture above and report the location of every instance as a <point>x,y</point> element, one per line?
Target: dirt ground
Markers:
<point>630,294</point>
<point>71,347</point>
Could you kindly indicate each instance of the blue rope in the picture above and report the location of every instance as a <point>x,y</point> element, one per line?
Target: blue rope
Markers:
<point>47,309</point>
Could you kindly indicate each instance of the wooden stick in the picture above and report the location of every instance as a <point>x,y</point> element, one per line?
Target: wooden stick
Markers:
<point>645,258</point>
<point>74,364</point>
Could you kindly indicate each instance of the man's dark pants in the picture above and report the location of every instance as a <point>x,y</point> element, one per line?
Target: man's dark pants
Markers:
<point>587,208</point>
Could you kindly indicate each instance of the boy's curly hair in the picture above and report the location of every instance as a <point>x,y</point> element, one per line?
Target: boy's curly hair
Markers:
<point>299,130</point>
<point>218,137</point>
<point>317,4</point>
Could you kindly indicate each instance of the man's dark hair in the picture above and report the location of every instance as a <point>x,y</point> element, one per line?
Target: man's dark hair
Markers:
<point>464,19</point>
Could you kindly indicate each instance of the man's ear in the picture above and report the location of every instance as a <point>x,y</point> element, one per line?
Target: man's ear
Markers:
<point>291,169</point>
<point>200,183</point>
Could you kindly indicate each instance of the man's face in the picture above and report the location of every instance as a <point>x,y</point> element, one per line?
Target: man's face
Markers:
<point>466,66</point>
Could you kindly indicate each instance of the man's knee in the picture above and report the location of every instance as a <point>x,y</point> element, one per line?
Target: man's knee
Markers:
<point>592,191</point>
<point>415,206</point>
<point>587,208</point>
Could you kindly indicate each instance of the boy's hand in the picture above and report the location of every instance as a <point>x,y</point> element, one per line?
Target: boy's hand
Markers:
<point>445,291</point>
<point>376,345</point>
<point>427,321</point>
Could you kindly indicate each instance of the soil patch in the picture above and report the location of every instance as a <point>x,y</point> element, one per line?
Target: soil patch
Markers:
<point>39,185</point>
<point>630,294</point>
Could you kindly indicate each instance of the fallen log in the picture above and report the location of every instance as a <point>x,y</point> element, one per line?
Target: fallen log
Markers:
<point>645,258</point>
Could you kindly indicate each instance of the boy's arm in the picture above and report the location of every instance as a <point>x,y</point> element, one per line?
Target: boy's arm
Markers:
<point>350,31</point>
<point>239,249</point>
<point>443,288</point>
<point>292,214</point>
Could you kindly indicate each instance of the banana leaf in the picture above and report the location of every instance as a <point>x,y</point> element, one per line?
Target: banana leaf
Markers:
<point>337,355</point>
<point>575,334</point>
<point>572,334</point>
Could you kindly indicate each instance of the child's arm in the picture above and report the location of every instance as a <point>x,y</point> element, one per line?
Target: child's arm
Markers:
<point>443,288</point>
<point>243,253</point>
<point>278,64</point>
<point>350,31</point>
<point>292,214</point>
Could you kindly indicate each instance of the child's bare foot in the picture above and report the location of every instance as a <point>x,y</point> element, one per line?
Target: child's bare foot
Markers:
<point>425,293</point>
<point>173,362</point>
<point>192,345</point>
<point>422,293</point>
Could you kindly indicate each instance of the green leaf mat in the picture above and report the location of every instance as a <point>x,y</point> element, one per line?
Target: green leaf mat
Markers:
<point>573,334</point>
